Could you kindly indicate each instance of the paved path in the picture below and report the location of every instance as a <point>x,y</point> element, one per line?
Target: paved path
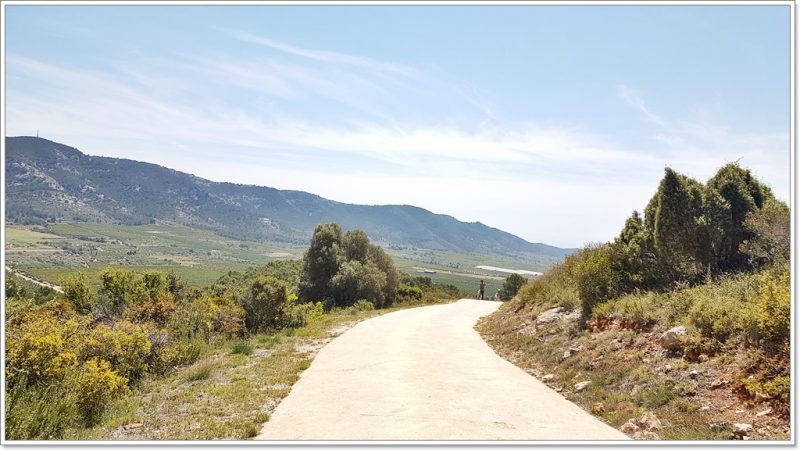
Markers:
<point>425,374</point>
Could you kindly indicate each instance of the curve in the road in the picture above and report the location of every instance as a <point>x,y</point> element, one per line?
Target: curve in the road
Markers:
<point>425,374</point>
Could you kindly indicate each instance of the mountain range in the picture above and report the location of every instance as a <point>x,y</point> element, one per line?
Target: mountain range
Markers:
<point>48,181</point>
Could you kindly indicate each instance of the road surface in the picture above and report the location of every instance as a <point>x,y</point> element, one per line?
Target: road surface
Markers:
<point>425,374</point>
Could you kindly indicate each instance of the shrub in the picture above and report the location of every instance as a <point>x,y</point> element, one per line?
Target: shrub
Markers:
<point>595,277</point>
<point>96,385</point>
<point>77,292</point>
<point>356,280</point>
<point>511,286</point>
<point>125,346</point>
<point>406,293</point>
<point>40,412</point>
<point>41,346</point>
<point>302,314</point>
<point>771,320</point>
<point>118,290</point>
<point>157,309</point>
<point>266,302</point>
<point>363,305</point>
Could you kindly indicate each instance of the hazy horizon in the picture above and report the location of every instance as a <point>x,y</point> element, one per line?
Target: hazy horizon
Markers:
<point>552,123</point>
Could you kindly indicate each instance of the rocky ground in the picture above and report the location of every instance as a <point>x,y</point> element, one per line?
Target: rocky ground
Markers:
<point>637,380</point>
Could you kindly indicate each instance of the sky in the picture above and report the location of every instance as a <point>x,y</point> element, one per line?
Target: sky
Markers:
<point>553,123</point>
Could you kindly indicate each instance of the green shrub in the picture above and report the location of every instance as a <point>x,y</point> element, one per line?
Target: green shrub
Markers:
<point>40,412</point>
<point>408,293</point>
<point>595,277</point>
<point>302,314</point>
<point>556,286</point>
<point>771,309</point>
<point>266,303</point>
<point>77,292</point>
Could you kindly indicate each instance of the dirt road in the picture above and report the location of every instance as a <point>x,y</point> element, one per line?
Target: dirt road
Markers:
<point>34,280</point>
<point>425,374</point>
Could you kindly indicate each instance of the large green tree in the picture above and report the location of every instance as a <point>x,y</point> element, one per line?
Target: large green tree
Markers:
<point>321,262</point>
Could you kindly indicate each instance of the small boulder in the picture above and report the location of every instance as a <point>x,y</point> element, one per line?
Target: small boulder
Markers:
<point>629,427</point>
<point>671,339</point>
<point>548,377</point>
<point>693,374</point>
<point>582,385</point>
<point>718,383</point>
<point>567,354</point>
<point>649,422</point>
<point>741,429</point>
<point>764,413</point>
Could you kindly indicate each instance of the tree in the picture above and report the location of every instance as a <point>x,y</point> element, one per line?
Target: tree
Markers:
<point>385,264</point>
<point>770,241</point>
<point>744,194</point>
<point>356,247</point>
<point>78,293</point>
<point>321,262</point>
<point>511,286</point>
<point>357,281</point>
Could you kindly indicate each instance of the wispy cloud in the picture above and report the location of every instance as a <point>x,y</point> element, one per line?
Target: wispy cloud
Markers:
<point>319,55</point>
<point>361,129</point>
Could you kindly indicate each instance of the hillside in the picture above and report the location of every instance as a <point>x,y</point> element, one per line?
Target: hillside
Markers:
<point>46,180</point>
<point>679,328</point>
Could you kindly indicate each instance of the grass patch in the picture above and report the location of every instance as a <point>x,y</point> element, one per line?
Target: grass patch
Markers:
<point>199,371</point>
<point>241,347</point>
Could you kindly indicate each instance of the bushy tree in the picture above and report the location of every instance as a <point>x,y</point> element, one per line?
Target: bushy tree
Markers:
<point>343,268</point>
<point>321,262</point>
<point>384,262</point>
<point>744,194</point>
<point>511,286</point>
<point>357,281</point>
<point>770,238</point>
<point>118,290</point>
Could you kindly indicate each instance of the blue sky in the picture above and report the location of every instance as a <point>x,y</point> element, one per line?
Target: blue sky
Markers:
<point>550,122</point>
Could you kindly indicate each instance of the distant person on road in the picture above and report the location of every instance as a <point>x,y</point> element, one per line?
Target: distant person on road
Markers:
<point>481,289</point>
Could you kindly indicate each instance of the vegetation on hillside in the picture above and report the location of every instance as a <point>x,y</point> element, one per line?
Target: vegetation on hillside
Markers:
<point>711,258</point>
<point>48,182</point>
<point>68,356</point>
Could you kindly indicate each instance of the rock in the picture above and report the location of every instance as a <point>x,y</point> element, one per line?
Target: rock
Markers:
<point>667,368</point>
<point>741,429</point>
<point>548,377</point>
<point>133,426</point>
<point>718,383</point>
<point>703,357</point>
<point>567,354</point>
<point>558,389</point>
<point>764,413</point>
<point>629,427</point>
<point>704,408</point>
<point>645,436</point>
<point>557,315</point>
<point>719,426</point>
<point>582,385</point>
<point>670,340</point>
<point>693,374</point>
<point>576,348</point>
<point>649,422</point>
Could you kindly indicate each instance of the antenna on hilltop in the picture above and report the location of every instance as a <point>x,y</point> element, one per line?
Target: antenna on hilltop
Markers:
<point>37,133</point>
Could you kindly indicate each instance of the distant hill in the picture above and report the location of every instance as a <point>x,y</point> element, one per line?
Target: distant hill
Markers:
<point>46,180</point>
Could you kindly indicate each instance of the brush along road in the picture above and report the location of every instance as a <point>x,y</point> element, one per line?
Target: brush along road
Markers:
<point>425,374</point>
